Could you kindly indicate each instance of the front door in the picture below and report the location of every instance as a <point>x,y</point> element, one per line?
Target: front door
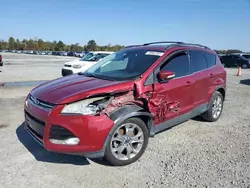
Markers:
<point>174,98</point>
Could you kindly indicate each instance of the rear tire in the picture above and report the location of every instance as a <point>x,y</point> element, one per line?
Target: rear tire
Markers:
<point>122,149</point>
<point>215,108</point>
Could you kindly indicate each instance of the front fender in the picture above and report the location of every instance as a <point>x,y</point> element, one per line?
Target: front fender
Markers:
<point>128,111</point>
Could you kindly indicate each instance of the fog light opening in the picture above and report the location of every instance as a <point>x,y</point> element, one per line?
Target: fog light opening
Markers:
<point>69,141</point>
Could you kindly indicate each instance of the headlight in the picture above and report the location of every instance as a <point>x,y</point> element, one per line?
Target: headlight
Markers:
<point>77,66</point>
<point>86,107</point>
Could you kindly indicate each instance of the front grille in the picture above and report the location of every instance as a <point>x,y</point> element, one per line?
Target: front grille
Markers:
<point>60,133</point>
<point>67,65</point>
<point>32,131</point>
<point>34,119</point>
<point>34,125</point>
<point>66,72</point>
<point>40,103</point>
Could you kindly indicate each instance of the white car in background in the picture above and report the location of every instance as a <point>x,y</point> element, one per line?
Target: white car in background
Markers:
<point>80,65</point>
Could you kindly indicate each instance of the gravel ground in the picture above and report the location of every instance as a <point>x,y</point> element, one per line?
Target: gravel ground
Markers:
<point>193,154</point>
<point>26,67</point>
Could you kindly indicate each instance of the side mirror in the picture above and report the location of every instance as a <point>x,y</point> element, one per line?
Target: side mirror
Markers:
<point>166,75</point>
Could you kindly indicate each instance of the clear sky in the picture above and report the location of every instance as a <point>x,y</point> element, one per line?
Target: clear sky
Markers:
<point>219,24</point>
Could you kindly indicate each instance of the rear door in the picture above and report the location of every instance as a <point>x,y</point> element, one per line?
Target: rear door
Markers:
<point>199,69</point>
<point>174,97</point>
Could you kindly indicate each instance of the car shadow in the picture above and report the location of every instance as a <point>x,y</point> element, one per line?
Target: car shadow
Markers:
<point>43,155</point>
<point>245,82</point>
<point>198,118</point>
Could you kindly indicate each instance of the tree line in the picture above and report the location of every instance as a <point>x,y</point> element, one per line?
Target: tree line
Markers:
<point>41,45</point>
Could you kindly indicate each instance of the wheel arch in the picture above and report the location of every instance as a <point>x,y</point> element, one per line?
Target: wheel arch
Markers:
<point>129,111</point>
<point>222,90</point>
<point>219,88</point>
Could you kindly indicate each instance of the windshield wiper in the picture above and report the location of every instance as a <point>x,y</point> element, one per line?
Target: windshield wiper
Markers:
<point>87,74</point>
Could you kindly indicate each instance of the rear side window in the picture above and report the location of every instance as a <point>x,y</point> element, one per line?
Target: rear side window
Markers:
<point>198,61</point>
<point>246,56</point>
<point>211,59</point>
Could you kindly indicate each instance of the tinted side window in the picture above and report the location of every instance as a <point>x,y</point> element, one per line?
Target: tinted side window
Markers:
<point>179,64</point>
<point>211,59</point>
<point>198,61</point>
<point>246,56</point>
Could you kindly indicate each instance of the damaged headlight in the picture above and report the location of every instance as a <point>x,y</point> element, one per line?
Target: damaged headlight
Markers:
<point>89,106</point>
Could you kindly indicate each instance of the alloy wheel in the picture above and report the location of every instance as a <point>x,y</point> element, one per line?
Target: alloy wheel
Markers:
<point>217,107</point>
<point>127,141</point>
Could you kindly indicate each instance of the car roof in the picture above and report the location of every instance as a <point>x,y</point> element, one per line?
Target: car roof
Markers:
<point>164,48</point>
<point>166,45</point>
<point>153,47</point>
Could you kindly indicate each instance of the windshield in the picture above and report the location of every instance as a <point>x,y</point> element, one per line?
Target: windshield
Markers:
<point>246,56</point>
<point>126,64</point>
<point>87,57</point>
<point>93,56</point>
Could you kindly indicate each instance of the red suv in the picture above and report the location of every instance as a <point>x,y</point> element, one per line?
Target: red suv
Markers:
<point>112,108</point>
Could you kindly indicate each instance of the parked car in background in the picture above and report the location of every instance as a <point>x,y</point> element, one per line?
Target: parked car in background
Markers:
<point>42,53</point>
<point>111,109</point>
<point>56,53</point>
<point>79,54</point>
<point>246,55</point>
<point>234,60</point>
<point>83,63</point>
<point>1,60</point>
<point>70,53</point>
<point>49,53</point>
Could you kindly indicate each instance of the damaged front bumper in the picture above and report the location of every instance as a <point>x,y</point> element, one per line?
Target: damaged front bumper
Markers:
<point>70,134</point>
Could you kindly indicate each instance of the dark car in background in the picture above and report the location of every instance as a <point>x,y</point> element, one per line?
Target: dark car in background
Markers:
<point>233,60</point>
<point>247,56</point>
<point>1,60</point>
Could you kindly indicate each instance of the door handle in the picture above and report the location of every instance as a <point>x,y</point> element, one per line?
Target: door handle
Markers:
<point>211,75</point>
<point>188,83</point>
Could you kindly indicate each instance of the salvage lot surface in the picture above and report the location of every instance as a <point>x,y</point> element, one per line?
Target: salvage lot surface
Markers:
<point>193,154</point>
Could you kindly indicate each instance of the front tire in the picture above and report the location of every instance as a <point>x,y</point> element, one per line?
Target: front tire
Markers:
<point>127,143</point>
<point>215,108</point>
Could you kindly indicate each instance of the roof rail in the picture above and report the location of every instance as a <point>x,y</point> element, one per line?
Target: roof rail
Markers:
<point>162,42</point>
<point>189,44</point>
<point>130,46</point>
<point>174,43</point>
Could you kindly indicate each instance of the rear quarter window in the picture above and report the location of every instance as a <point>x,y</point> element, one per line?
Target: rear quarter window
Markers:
<point>211,59</point>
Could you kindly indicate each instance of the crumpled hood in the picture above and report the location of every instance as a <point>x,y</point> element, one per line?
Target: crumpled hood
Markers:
<point>75,87</point>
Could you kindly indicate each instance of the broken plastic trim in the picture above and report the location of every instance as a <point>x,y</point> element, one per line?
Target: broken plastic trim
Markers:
<point>111,94</point>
